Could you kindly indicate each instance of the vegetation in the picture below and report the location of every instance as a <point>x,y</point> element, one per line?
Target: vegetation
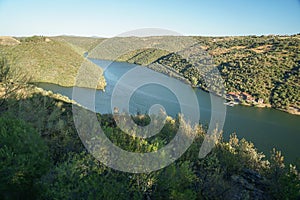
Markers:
<point>24,159</point>
<point>42,157</point>
<point>52,61</point>
<point>79,44</point>
<point>266,67</point>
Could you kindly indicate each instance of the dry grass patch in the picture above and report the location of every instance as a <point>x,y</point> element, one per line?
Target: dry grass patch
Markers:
<point>262,49</point>
<point>9,41</point>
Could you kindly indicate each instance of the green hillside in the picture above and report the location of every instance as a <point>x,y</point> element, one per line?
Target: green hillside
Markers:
<point>79,44</point>
<point>265,67</point>
<point>48,60</point>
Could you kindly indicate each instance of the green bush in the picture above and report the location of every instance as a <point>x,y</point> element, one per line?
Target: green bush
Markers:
<point>23,159</point>
<point>83,177</point>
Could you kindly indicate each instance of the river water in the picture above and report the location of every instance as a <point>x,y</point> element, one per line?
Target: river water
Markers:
<point>265,127</point>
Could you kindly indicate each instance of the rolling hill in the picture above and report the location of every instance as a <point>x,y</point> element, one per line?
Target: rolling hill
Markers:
<point>49,60</point>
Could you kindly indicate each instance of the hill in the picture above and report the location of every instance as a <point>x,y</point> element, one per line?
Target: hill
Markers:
<point>48,60</point>
<point>79,44</point>
<point>266,68</point>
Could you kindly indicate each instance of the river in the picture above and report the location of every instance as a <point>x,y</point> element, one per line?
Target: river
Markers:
<point>265,127</point>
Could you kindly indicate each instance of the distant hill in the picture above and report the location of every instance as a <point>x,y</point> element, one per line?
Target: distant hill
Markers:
<point>79,44</point>
<point>49,60</point>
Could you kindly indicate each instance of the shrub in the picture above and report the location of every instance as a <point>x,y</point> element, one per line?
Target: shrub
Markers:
<point>23,159</point>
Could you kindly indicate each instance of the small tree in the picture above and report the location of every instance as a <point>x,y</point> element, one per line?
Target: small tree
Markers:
<point>285,182</point>
<point>11,81</point>
<point>194,81</point>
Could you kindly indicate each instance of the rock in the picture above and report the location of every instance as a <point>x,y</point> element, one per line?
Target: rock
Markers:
<point>242,182</point>
<point>247,185</point>
<point>253,175</point>
<point>254,178</point>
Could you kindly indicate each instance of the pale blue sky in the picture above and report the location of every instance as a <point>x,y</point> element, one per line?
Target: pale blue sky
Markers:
<point>110,18</point>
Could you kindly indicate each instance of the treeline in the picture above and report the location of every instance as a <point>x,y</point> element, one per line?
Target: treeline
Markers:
<point>42,157</point>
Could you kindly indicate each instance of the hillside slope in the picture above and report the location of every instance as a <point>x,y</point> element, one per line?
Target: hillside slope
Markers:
<point>47,60</point>
<point>79,44</point>
<point>266,68</point>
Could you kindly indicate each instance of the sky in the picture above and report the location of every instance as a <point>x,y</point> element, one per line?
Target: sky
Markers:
<point>113,17</point>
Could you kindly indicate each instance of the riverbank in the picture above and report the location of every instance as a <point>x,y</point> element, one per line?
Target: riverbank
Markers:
<point>265,67</point>
<point>291,111</point>
<point>98,87</point>
<point>247,101</point>
<point>262,126</point>
<point>264,105</point>
<point>173,74</point>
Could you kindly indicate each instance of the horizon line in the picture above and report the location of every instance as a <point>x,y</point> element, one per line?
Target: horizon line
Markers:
<point>154,35</point>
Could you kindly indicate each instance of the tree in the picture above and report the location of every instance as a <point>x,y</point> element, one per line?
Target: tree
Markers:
<point>285,183</point>
<point>10,81</point>
<point>23,159</point>
<point>176,182</point>
<point>83,177</point>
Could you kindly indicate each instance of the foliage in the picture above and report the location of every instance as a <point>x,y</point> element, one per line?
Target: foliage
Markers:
<point>23,159</point>
<point>266,67</point>
<point>176,182</point>
<point>48,60</point>
<point>33,39</point>
<point>239,154</point>
<point>80,44</point>
<point>52,119</point>
<point>42,157</point>
<point>11,82</point>
<point>82,177</point>
<point>285,182</point>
